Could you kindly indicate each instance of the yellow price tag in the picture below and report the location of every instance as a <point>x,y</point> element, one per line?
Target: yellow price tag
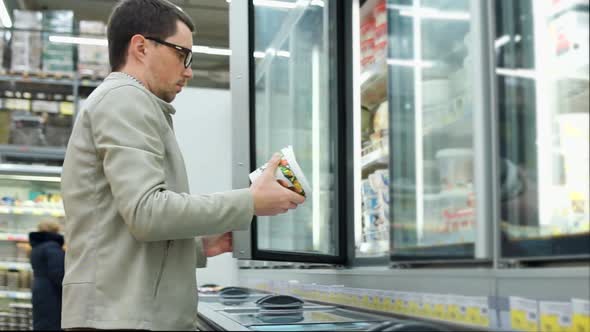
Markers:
<point>523,321</point>
<point>388,305</point>
<point>580,323</point>
<point>477,316</point>
<point>18,211</point>
<point>453,313</point>
<point>377,305</point>
<point>427,310</point>
<point>364,301</point>
<point>400,306</point>
<point>555,316</point>
<point>66,108</point>
<point>550,323</point>
<point>439,311</point>
<point>414,308</point>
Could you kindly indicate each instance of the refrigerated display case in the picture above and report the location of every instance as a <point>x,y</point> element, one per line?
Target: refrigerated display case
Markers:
<point>467,143</point>
<point>285,93</point>
<point>543,105</point>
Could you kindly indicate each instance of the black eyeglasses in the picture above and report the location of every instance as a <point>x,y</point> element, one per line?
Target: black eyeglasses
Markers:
<point>188,53</point>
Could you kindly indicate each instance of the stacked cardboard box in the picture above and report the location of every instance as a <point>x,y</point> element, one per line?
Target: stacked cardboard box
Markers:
<point>26,45</point>
<point>58,58</point>
<point>93,60</point>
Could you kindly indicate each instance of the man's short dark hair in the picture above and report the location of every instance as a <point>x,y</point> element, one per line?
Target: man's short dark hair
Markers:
<point>153,18</point>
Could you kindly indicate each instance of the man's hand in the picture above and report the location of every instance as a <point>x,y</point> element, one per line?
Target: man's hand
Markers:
<point>270,197</point>
<point>217,245</point>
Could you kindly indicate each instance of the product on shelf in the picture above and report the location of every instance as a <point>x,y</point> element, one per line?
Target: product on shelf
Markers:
<point>574,140</point>
<point>26,45</point>
<point>58,128</point>
<point>366,123</point>
<point>12,280</point>
<point>57,58</point>
<point>93,60</point>
<point>26,130</point>
<point>381,33</point>
<point>381,120</point>
<point>455,168</point>
<point>4,126</point>
<point>367,43</point>
<point>375,223</point>
<point>45,106</point>
<point>570,35</point>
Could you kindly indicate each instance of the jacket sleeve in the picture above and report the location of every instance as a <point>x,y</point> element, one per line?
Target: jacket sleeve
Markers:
<point>201,256</point>
<point>128,130</point>
<point>55,264</point>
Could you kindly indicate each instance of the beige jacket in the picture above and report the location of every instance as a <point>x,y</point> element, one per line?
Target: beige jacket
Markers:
<point>131,223</point>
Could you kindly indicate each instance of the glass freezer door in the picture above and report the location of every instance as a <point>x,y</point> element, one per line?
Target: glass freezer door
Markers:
<point>543,105</point>
<point>293,94</point>
<point>431,95</point>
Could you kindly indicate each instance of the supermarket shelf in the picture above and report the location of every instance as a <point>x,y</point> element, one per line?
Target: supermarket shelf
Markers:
<point>374,85</point>
<point>31,154</point>
<point>30,169</point>
<point>14,237</point>
<point>36,80</point>
<point>31,211</point>
<point>21,306</point>
<point>16,295</point>
<point>15,266</point>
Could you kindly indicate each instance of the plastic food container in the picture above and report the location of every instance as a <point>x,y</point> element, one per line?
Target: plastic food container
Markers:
<point>288,171</point>
<point>455,167</point>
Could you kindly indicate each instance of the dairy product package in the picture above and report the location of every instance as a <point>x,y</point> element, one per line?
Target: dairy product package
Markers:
<point>289,172</point>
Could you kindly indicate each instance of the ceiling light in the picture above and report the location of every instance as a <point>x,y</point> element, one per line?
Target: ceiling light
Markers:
<point>431,13</point>
<point>410,63</point>
<point>211,50</point>
<point>104,42</point>
<point>275,4</point>
<point>284,54</point>
<point>4,16</point>
<point>78,40</point>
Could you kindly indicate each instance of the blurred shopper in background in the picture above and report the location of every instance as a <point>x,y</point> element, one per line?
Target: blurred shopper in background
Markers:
<point>47,261</point>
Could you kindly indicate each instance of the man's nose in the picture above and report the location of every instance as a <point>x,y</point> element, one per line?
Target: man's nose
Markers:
<point>188,73</point>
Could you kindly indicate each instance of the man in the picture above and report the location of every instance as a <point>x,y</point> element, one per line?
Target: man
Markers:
<point>131,224</point>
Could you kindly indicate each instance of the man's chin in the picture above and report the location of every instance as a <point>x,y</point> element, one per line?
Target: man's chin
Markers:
<point>170,98</point>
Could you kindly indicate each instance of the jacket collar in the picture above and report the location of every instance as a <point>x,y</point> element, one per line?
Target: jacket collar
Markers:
<point>166,107</point>
<point>37,238</point>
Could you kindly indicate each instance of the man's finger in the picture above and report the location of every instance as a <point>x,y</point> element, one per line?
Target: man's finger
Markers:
<point>284,183</point>
<point>296,198</point>
<point>273,163</point>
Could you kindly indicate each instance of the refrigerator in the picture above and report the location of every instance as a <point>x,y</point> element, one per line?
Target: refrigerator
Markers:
<point>432,131</point>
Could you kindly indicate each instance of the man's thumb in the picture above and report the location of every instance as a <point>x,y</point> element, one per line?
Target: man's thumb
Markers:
<point>273,163</point>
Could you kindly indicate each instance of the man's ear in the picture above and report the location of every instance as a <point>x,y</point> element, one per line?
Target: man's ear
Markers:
<point>138,47</point>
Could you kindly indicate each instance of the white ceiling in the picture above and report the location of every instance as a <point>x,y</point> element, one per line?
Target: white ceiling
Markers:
<point>210,17</point>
